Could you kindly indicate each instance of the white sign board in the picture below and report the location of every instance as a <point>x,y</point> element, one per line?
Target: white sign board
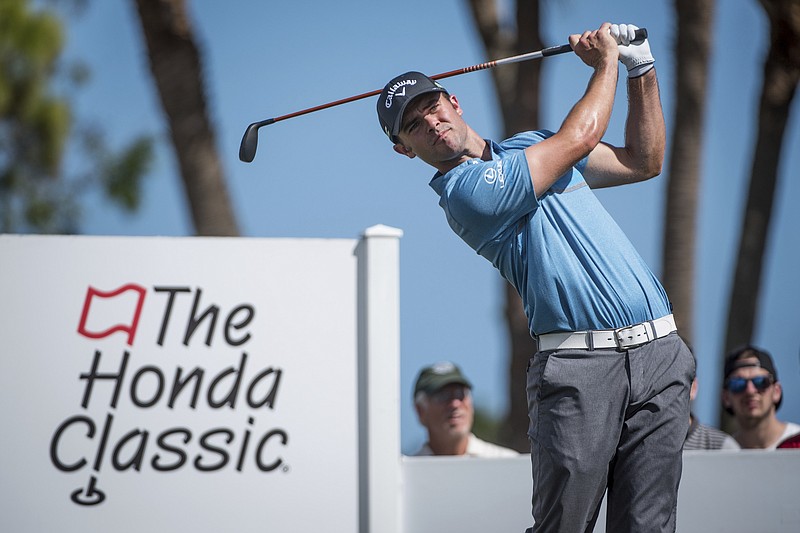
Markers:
<point>178,384</point>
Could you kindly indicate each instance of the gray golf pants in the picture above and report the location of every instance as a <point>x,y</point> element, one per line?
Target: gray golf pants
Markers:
<point>608,419</point>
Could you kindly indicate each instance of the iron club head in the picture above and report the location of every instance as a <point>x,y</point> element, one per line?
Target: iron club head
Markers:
<point>247,150</point>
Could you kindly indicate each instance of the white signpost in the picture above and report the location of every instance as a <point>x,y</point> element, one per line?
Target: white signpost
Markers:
<point>183,384</point>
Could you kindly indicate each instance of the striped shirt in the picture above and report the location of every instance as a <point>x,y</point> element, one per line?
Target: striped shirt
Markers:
<point>702,437</point>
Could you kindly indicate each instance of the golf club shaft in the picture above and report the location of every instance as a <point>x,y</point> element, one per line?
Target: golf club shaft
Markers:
<point>489,64</point>
<point>247,150</point>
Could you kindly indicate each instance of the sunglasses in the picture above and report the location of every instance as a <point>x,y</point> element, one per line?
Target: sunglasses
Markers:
<point>738,385</point>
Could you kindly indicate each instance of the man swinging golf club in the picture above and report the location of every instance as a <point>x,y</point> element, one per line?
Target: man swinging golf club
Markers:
<point>608,390</point>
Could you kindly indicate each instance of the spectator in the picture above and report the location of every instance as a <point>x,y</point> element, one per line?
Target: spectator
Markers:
<point>700,436</point>
<point>753,395</point>
<point>443,400</point>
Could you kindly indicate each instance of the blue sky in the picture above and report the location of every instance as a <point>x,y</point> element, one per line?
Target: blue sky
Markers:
<point>333,173</point>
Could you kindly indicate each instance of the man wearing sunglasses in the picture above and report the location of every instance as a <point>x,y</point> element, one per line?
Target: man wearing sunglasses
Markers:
<point>753,394</point>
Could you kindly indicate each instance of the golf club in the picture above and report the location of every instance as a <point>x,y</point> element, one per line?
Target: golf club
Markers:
<point>247,150</point>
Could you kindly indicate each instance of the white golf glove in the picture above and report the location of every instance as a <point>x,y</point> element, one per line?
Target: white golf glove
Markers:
<point>636,57</point>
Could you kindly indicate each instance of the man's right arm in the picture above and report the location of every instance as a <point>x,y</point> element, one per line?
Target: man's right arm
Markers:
<point>584,126</point>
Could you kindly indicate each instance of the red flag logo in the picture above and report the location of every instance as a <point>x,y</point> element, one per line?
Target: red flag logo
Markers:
<point>112,311</point>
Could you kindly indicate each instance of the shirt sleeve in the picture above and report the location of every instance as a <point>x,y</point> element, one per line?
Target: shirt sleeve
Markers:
<point>521,141</point>
<point>490,196</point>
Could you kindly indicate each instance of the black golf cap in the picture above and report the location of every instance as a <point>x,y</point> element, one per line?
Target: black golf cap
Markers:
<point>397,94</point>
<point>432,378</point>
<point>734,360</point>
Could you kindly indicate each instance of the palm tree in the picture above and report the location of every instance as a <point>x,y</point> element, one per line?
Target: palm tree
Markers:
<point>692,50</point>
<point>177,71</point>
<point>781,75</point>
<point>518,90</point>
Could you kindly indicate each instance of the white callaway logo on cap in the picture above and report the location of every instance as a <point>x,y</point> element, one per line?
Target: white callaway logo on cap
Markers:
<point>393,89</point>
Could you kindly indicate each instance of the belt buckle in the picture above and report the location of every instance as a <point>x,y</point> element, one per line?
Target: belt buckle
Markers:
<point>618,338</point>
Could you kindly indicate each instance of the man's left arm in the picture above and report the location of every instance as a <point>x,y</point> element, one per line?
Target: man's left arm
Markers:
<point>645,134</point>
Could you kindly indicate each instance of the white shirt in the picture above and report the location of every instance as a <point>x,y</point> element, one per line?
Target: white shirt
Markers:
<point>791,430</point>
<point>475,448</point>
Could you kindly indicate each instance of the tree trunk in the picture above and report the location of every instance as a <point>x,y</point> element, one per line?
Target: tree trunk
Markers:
<point>781,75</point>
<point>177,72</point>
<point>693,45</point>
<point>517,88</point>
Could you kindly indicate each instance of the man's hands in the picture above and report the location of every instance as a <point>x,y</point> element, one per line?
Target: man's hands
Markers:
<point>595,48</point>
<point>636,57</point>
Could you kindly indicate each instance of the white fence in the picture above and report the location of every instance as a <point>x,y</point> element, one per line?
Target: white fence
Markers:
<point>721,492</point>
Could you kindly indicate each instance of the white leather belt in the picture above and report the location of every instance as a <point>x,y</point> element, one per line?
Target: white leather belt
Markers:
<point>622,338</point>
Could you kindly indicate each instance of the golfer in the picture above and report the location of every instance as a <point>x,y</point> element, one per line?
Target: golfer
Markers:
<point>608,390</point>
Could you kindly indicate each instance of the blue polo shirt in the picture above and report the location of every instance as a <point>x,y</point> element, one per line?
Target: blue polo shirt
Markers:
<point>572,265</point>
